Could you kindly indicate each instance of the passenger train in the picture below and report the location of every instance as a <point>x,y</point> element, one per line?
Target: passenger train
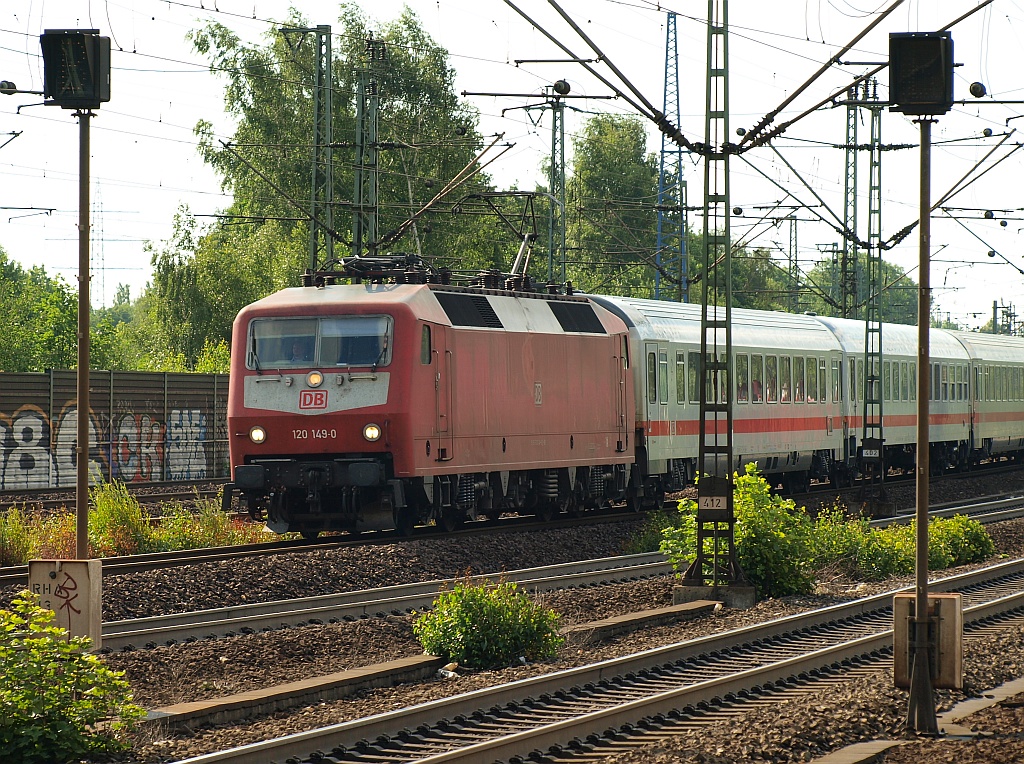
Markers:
<point>398,401</point>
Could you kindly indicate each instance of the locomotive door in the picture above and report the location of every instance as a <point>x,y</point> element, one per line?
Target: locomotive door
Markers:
<point>443,395</point>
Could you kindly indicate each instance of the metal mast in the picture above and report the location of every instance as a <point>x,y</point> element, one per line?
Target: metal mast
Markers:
<point>556,181</point>
<point>794,268</point>
<point>364,225</point>
<point>849,259</point>
<point>715,563</point>
<point>670,252</point>
<point>322,196</point>
<point>873,444</point>
<point>321,192</point>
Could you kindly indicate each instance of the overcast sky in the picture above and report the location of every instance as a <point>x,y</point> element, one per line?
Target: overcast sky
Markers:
<point>144,162</point>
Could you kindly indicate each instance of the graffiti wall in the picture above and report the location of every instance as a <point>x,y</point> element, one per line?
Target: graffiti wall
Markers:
<point>142,428</point>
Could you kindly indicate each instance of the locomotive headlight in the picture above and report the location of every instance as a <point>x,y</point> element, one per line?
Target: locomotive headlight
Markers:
<point>371,432</point>
<point>257,434</point>
<point>314,379</point>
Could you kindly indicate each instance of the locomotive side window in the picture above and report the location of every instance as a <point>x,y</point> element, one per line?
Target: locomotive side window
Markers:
<point>680,378</point>
<point>756,379</point>
<point>425,354</point>
<point>771,378</point>
<point>742,378</point>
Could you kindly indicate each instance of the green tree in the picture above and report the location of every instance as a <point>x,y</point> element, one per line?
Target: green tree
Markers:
<point>899,292</point>
<point>41,331</point>
<point>611,221</point>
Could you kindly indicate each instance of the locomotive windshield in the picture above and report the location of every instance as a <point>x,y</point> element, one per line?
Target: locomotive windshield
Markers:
<point>276,343</point>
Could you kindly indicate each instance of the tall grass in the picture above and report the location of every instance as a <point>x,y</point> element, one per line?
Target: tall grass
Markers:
<point>118,525</point>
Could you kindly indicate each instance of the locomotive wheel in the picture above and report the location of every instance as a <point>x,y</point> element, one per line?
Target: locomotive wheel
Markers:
<point>451,520</point>
<point>546,511</point>
<point>405,521</point>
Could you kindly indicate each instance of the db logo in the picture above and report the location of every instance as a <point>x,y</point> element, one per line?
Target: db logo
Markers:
<point>312,399</point>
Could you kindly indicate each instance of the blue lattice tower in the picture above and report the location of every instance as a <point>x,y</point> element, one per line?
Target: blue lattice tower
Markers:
<point>670,252</point>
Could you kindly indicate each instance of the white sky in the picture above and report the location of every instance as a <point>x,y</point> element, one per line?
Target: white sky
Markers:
<point>144,162</point>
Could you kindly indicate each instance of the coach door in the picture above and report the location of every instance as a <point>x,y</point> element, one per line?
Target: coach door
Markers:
<point>443,395</point>
<point>656,389</point>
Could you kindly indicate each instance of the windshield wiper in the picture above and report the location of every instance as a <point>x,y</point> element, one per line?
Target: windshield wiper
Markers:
<point>380,356</point>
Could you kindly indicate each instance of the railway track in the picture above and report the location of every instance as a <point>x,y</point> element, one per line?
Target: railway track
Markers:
<point>993,509</point>
<point>397,600</point>
<point>18,575</point>
<point>624,701</point>
<point>48,499</point>
<point>228,621</point>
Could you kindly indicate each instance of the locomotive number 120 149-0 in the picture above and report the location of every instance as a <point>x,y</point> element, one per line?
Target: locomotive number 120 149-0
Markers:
<point>315,434</point>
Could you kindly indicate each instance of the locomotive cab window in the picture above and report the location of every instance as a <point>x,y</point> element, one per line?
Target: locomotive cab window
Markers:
<point>425,347</point>
<point>276,343</point>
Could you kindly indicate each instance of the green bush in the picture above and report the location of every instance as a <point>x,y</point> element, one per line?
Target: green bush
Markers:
<point>836,541</point>
<point>773,538</point>
<point>57,703</point>
<point>647,538</point>
<point>483,625</point>
<point>958,539</point>
<point>15,540</point>
<point>118,525</point>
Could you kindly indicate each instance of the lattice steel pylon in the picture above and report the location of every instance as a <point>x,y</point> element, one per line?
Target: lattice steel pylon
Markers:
<point>321,193</point>
<point>364,218</point>
<point>716,563</point>
<point>670,248</point>
<point>872,440</point>
<point>556,179</point>
<point>849,258</point>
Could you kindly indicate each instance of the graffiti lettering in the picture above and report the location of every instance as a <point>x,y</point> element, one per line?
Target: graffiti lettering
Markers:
<point>38,453</point>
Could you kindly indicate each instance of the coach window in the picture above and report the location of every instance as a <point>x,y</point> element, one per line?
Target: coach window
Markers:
<point>771,379</point>
<point>680,378</point>
<point>912,381</point>
<point>945,382</point>
<point>798,380</point>
<point>785,379</point>
<point>853,381</point>
<point>886,381</point>
<point>425,355</point>
<point>836,379</point>
<point>812,380</point>
<point>757,379</point>
<point>742,378</point>
<point>663,376</point>
<point>652,377</point>
<point>904,382</point>
<point>693,361</point>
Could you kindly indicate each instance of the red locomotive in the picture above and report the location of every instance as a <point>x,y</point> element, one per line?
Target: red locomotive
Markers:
<point>386,405</point>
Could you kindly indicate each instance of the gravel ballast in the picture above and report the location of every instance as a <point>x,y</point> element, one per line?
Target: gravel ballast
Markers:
<point>789,731</point>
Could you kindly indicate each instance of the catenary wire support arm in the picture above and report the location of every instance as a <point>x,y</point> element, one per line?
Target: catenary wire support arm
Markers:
<point>284,194</point>
<point>461,177</point>
<point>768,118</point>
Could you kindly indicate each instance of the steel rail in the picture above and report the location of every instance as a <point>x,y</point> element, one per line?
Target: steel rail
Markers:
<point>366,602</point>
<point>525,692</point>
